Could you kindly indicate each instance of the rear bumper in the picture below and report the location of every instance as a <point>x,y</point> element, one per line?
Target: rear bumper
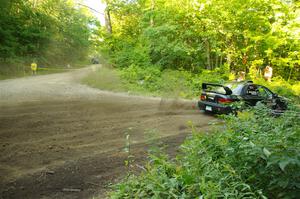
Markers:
<point>215,108</point>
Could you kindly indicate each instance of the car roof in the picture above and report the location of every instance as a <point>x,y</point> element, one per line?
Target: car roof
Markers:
<point>240,82</point>
<point>237,87</point>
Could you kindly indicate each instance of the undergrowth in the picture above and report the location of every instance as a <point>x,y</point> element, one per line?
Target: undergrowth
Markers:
<point>175,83</point>
<point>21,68</point>
<point>105,79</point>
<point>254,155</point>
<point>170,83</point>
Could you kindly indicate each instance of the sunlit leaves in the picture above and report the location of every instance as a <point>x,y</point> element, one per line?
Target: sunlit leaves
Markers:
<point>47,30</point>
<point>254,155</point>
<point>207,34</point>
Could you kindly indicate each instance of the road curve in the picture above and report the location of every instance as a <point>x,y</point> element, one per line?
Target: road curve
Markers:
<point>62,139</point>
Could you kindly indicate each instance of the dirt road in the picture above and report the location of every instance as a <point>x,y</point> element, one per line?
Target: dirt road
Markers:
<point>61,139</point>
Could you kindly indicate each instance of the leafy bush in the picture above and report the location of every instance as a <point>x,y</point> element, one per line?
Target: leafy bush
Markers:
<point>52,32</point>
<point>105,79</point>
<point>171,83</point>
<point>175,83</point>
<point>194,36</point>
<point>131,54</point>
<point>254,155</point>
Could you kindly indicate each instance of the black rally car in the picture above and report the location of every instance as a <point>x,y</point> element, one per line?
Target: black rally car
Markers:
<point>217,98</point>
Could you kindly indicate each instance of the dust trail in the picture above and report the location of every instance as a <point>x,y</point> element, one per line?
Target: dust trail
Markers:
<point>177,104</point>
<point>56,133</point>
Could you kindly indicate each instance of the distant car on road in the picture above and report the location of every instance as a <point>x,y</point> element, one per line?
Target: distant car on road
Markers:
<point>217,98</point>
<point>95,60</point>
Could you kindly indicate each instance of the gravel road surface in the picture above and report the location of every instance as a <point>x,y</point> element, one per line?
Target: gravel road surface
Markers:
<point>62,139</point>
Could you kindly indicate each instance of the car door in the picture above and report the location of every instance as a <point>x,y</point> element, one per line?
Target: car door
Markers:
<point>256,93</point>
<point>266,95</point>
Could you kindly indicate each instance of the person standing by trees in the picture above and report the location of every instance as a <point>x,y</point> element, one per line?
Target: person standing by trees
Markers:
<point>241,77</point>
<point>33,68</point>
<point>268,72</point>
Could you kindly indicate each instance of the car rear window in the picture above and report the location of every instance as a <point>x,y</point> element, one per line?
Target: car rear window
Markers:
<point>235,87</point>
<point>215,89</point>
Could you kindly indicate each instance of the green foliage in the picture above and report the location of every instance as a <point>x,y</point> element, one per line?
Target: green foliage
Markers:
<point>147,78</point>
<point>265,151</point>
<point>196,35</point>
<point>131,56</point>
<point>185,84</point>
<point>175,83</point>
<point>105,79</point>
<point>53,32</point>
<point>169,83</point>
<point>254,155</point>
<point>282,87</point>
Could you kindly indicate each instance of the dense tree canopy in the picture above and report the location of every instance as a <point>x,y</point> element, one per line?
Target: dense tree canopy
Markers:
<point>206,34</point>
<point>51,31</point>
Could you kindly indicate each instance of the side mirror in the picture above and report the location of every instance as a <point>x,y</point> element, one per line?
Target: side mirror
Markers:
<point>275,95</point>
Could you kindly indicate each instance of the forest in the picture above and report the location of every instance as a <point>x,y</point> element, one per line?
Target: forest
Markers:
<point>49,32</point>
<point>168,48</point>
<point>171,47</point>
<point>195,35</point>
<point>174,46</point>
<point>189,35</point>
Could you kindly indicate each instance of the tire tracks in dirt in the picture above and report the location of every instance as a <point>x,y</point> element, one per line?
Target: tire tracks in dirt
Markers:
<point>53,123</point>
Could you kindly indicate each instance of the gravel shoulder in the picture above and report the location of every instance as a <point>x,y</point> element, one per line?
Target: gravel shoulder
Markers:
<point>61,139</point>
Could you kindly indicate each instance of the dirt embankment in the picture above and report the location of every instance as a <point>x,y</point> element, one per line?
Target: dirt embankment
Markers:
<point>61,139</point>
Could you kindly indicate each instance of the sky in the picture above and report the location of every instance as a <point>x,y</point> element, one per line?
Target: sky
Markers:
<point>98,6</point>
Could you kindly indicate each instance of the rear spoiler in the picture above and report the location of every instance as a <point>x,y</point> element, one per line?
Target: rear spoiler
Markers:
<point>227,90</point>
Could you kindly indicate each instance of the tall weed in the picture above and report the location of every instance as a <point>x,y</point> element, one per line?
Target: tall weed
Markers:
<point>254,155</point>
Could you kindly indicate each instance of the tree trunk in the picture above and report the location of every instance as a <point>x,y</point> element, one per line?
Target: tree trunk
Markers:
<point>290,75</point>
<point>35,3</point>
<point>221,60</point>
<point>212,58</point>
<point>229,61</point>
<point>208,64</point>
<point>152,9</point>
<point>217,61</point>
<point>108,20</point>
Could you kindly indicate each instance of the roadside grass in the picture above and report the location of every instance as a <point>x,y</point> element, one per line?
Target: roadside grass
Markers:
<point>41,71</point>
<point>20,70</point>
<point>105,79</point>
<point>8,72</point>
<point>148,81</point>
<point>109,79</point>
<point>254,155</point>
<point>151,81</point>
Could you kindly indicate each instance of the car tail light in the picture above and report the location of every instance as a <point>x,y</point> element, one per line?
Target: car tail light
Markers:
<point>224,100</point>
<point>203,97</point>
